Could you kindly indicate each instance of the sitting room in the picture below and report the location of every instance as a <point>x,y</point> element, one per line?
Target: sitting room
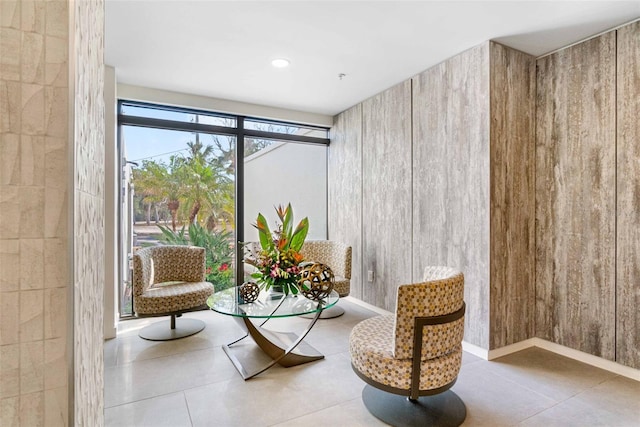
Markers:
<point>319,213</point>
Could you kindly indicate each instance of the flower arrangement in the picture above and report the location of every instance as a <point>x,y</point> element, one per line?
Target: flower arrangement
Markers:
<point>278,261</point>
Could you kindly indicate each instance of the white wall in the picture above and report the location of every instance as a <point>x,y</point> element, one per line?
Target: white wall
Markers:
<point>287,173</point>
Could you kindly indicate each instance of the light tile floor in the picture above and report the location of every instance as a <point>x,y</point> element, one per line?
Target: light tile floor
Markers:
<point>191,382</point>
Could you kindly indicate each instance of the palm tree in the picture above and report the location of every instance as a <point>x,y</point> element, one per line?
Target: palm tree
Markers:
<point>148,183</point>
<point>195,185</point>
<point>203,179</point>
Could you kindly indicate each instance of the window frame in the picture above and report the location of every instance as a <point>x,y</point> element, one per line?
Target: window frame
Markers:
<point>240,133</point>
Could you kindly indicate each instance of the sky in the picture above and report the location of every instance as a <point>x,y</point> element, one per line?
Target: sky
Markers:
<point>141,143</point>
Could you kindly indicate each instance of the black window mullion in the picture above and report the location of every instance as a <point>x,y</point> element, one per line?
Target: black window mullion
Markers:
<point>175,125</point>
<point>285,136</point>
<point>239,200</point>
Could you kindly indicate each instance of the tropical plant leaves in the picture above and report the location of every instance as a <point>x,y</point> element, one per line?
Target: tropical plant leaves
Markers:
<point>264,233</point>
<point>299,235</point>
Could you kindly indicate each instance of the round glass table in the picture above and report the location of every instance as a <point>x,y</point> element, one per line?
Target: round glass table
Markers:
<point>284,348</point>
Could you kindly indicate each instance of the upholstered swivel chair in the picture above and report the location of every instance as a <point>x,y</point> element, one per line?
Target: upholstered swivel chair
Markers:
<point>338,257</point>
<point>411,359</point>
<point>168,281</point>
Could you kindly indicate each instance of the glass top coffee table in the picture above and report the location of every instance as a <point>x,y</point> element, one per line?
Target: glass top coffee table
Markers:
<point>284,348</point>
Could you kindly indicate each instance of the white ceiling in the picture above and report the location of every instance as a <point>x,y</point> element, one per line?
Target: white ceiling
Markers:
<point>223,49</point>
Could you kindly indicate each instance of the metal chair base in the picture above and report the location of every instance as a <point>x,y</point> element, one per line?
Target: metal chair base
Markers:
<point>171,329</point>
<point>444,409</point>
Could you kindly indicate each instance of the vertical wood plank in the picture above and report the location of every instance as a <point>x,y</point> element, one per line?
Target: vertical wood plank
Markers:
<point>451,178</point>
<point>345,188</point>
<point>386,198</point>
<point>575,191</point>
<point>628,197</point>
<point>512,241</point>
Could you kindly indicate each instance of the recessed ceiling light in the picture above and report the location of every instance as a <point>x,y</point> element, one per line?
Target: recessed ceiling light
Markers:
<point>280,63</point>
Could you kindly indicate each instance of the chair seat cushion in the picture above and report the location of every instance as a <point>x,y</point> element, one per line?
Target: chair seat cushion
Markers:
<point>371,348</point>
<point>171,297</point>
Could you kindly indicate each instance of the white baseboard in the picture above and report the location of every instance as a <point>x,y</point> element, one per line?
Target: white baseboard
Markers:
<point>503,351</point>
<point>475,350</point>
<point>589,359</point>
<point>578,355</point>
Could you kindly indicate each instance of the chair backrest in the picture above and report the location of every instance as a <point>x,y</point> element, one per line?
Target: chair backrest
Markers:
<point>441,293</point>
<point>161,264</point>
<point>336,255</point>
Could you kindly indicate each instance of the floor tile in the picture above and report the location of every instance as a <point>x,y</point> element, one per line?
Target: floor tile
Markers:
<point>555,376</point>
<point>576,412</point>
<point>326,382</point>
<point>110,349</point>
<point>192,382</point>
<point>153,377</point>
<point>352,413</point>
<point>619,395</point>
<point>468,358</point>
<point>262,401</point>
<point>492,400</point>
<point>168,410</point>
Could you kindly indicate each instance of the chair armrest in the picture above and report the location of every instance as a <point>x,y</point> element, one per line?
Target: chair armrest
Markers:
<point>419,324</point>
<point>142,271</point>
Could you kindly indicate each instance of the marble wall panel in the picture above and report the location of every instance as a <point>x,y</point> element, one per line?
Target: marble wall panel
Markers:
<point>345,189</point>
<point>33,16</point>
<point>10,16</point>
<point>9,259</point>
<point>88,195</point>
<point>9,319</point>
<point>575,196</point>
<point>9,370</point>
<point>451,178</point>
<point>628,197</point>
<point>31,367</point>
<point>10,40</point>
<point>33,103</point>
<point>10,158</point>
<point>31,265</point>
<point>386,197</point>
<point>10,411</point>
<point>512,205</point>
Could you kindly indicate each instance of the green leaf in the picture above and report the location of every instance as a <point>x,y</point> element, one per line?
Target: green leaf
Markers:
<point>266,240</point>
<point>297,240</point>
<point>287,222</point>
<point>173,238</point>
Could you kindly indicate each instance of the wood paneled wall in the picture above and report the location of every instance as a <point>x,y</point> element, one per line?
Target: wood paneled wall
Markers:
<point>386,199</point>
<point>512,205</point>
<point>451,178</point>
<point>345,189</point>
<point>575,190</point>
<point>439,155</point>
<point>545,225</point>
<point>628,197</point>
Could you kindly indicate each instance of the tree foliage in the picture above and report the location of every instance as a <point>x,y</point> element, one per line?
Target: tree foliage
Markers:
<point>195,188</point>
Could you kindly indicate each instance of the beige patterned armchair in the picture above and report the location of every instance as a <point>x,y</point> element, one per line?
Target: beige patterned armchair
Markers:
<point>168,281</point>
<point>338,257</point>
<point>415,352</point>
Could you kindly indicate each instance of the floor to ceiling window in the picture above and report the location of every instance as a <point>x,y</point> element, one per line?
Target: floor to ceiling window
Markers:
<point>186,180</point>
